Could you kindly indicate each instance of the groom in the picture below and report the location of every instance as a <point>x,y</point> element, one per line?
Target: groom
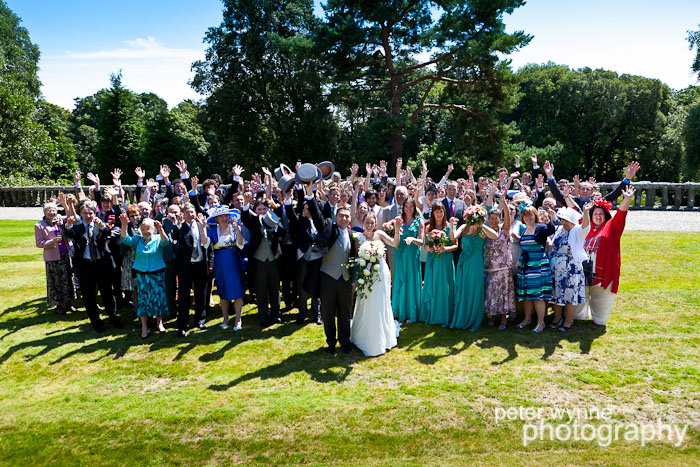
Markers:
<point>328,276</point>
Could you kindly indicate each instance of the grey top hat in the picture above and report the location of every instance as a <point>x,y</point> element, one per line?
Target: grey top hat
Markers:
<point>270,220</point>
<point>327,168</point>
<point>281,171</point>
<point>307,173</point>
<point>286,183</point>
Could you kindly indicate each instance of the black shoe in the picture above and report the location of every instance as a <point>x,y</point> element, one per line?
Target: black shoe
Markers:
<point>346,349</point>
<point>100,328</point>
<point>330,349</point>
<point>300,319</point>
<point>116,322</point>
<point>143,338</point>
<point>278,321</point>
<point>181,333</point>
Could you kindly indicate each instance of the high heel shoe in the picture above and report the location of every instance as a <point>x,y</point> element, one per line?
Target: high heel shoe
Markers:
<point>558,323</point>
<point>539,328</point>
<point>524,324</point>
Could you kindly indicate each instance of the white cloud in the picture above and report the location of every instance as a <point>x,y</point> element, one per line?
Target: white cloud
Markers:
<point>147,66</point>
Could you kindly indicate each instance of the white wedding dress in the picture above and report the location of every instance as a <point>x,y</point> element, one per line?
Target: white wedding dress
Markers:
<point>373,329</point>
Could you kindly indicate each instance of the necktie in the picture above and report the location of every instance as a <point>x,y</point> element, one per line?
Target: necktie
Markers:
<point>91,244</point>
<point>452,209</point>
<point>345,239</point>
<point>195,239</point>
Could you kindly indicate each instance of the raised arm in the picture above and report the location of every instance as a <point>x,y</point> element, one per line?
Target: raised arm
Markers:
<point>629,175</point>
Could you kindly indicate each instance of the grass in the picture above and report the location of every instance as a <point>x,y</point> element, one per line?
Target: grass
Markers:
<point>69,396</point>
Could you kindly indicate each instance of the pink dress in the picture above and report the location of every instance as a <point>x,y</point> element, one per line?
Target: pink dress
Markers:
<point>498,281</point>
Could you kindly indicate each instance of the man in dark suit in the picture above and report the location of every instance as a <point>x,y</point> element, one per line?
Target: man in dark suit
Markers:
<point>303,235</point>
<point>331,206</point>
<point>327,272</point>
<point>193,259</point>
<point>94,265</point>
<point>454,207</point>
<point>263,251</point>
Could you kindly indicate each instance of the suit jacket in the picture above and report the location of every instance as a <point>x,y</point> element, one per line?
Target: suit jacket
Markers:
<point>76,232</point>
<point>252,223</point>
<point>184,246</point>
<point>328,232</point>
<point>300,228</point>
<point>327,211</point>
<point>459,208</point>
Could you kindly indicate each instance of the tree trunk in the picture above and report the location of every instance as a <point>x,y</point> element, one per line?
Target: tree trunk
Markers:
<point>396,138</point>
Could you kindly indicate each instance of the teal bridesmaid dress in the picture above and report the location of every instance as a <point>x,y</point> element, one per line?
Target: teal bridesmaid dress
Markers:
<point>406,297</point>
<point>438,287</point>
<point>469,285</point>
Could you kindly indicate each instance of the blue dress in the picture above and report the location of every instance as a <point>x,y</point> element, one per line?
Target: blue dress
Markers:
<point>406,297</point>
<point>228,265</point>
<point>534,275</point>
<point>568,279</point>
<point>438,287</point>
<point>469,285</point>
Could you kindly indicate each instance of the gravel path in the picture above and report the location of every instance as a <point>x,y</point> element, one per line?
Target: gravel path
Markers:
<point>670,221</point>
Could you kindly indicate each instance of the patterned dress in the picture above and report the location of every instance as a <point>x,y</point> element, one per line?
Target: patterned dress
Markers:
<point>534,276</point>
<point>569,280</point>
<point>498,280</point>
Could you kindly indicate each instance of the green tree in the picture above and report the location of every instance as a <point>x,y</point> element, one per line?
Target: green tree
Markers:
<point>56,120</point>
<point>371,47</point>
<point>694,43</point>
<point>26,148</point>
<point>120,131</point>
<point>263,86</point>
<point>19,57</point>
<point>602,120</point>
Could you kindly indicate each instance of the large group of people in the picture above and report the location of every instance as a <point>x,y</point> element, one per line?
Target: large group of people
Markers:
<point>362,255</point>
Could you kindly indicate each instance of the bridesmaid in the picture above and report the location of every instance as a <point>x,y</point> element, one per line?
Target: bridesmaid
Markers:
<point>469,277</point>
<point>438,287</point>
<point>406,297</point>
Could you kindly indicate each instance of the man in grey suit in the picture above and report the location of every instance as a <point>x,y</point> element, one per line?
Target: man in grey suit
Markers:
<point>454,208</point>
<point>388,213</point>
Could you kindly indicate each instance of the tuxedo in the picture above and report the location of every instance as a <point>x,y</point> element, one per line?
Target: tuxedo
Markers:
<point>328,278</point>
<point>94,267</point>
<point>303,235</point>
<point>192,275</point>
<point>328,211</point>
<point>263,251</point>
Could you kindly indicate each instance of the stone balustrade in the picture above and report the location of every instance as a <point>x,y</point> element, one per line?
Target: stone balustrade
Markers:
<point>649,195</point>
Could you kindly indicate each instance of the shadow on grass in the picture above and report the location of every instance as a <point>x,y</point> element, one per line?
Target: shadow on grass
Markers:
<point>319,365</point>
<point>425,337</point>
<point>115,342</point>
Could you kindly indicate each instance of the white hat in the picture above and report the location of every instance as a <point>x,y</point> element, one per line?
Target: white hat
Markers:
<point>569,214</point>
<point>219,211</point>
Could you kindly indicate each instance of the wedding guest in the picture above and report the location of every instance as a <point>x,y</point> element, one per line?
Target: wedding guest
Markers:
<point>406,297</point>
<point>534,276</point>
<point>128,278</point>
<point>602,270</point>
<point>439,282</point>
<point>149,267</point>
<point>499,290</point>
<point>469,275</point>
<point>228,241</point>
<point>93,264</point>
<point>48,234</point>
<point>567,268</point>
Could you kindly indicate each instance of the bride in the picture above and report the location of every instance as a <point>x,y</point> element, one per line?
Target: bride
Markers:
<point>373,330</point>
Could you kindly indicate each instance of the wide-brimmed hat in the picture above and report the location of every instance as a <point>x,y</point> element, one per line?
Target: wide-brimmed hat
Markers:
<point>220,211</point>
<point>521,197</point>
<point>569,214</point>
<point>286,183</point>
<point>281,171</point>
<point>308,173</point>
<point>270,220</point>
<point>327,168</point>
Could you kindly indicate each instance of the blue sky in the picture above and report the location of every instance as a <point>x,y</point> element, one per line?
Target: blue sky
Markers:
<point>154,42</point>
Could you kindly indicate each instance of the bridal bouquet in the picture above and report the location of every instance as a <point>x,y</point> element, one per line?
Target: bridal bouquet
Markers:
<point>365,267</point>
<point>475,215</point>
<point>435,239</point>
<point>390,227</point>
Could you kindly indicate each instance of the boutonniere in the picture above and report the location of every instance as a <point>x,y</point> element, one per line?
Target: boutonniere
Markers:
<point>354,236</point>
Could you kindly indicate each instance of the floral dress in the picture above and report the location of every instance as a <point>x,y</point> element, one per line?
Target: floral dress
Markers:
<point>498,280</point>
<point>569,283</point>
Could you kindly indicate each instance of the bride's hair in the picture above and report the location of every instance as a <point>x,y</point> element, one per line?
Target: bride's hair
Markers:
<point>369,214</point>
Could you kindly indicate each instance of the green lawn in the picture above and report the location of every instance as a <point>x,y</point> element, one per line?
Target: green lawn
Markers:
<point>68,396</point>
